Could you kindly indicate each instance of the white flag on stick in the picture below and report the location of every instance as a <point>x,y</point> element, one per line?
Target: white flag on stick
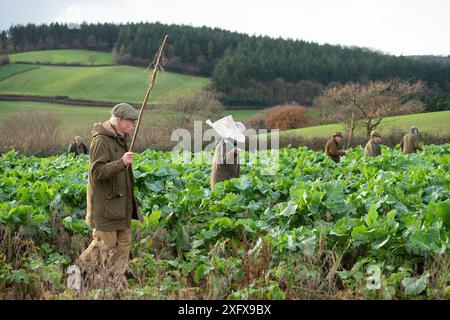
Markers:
<point>228,128</point>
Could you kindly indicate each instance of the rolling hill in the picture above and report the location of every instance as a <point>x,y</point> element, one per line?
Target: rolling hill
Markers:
<point>127,83</point>
<point>111,83</point>
<point>13,69</point>
<point>104,83</point>
<point>63,56</point>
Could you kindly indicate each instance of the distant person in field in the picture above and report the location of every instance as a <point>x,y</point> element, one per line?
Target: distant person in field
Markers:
<point>373,148</point>
<point>410,142</point>
<point>78,147</point>
<point>332,147</point>
<point>226,162</point>
<point>111,203</point>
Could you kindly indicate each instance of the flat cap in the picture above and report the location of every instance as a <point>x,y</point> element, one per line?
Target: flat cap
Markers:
<point>125,111</point>
<point>375,133</point>
<point>338,134</point>
<point>414,129</point>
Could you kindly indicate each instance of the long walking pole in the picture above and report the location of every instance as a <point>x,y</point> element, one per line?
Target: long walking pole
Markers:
<point>157,66</point>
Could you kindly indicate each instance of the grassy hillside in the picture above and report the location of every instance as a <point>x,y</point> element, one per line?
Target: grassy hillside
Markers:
<point>83,117</point>
<point>114,83</point>
<point>432,122</point>
<point>13,69</point>
<point>75,117</point>
<point>239,114</point>
<point>63,56</point>
<point>118,83</point>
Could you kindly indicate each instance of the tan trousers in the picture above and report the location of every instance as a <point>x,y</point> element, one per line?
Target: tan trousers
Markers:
<point>110,249</point>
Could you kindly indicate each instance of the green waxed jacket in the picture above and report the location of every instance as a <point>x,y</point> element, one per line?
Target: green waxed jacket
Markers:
<point>373,149</point>
<point>111,203</point>
<point>410,143</point>
<point>225,164</point>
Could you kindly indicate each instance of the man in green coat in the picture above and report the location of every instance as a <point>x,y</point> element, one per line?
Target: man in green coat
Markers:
<point>373,148</point>
<point>332,147</point>
<point>111,203</point>
<point>410,142</point>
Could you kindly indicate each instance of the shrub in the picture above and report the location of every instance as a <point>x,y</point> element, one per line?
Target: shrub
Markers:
<point>4,59</point>
<point>288,117</point>
<point>118,58</point>
<point>31,133</point>
<point>141,62</point>
<point>256,121</point>
<point>259,119</point>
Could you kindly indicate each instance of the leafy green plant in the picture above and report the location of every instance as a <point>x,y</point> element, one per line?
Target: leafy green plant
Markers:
<point>381,218</point>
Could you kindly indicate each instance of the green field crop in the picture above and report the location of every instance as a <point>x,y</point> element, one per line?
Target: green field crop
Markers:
<point>368,227</point>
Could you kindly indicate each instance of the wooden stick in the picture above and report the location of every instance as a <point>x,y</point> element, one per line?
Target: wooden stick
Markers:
<point>351,131</point>
<point>149,90</point>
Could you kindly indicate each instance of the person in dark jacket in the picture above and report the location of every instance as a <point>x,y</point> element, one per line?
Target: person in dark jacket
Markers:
<point>373,148</point>
<point>111,203</point>
<point>78,147</point>
<point>332,147</point>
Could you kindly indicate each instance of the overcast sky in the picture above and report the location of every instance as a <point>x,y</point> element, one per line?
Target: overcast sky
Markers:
<point>391,26</point>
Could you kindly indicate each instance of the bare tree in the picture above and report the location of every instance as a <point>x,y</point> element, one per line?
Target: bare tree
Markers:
<point>369,103</point>
<point>180,114</point>
<point>199,106</point>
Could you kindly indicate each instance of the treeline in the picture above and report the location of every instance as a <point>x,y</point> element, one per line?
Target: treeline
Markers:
<point>245,70</point>
<point>30,37</point>
<point>191,50</point>
<point>250,72</point>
